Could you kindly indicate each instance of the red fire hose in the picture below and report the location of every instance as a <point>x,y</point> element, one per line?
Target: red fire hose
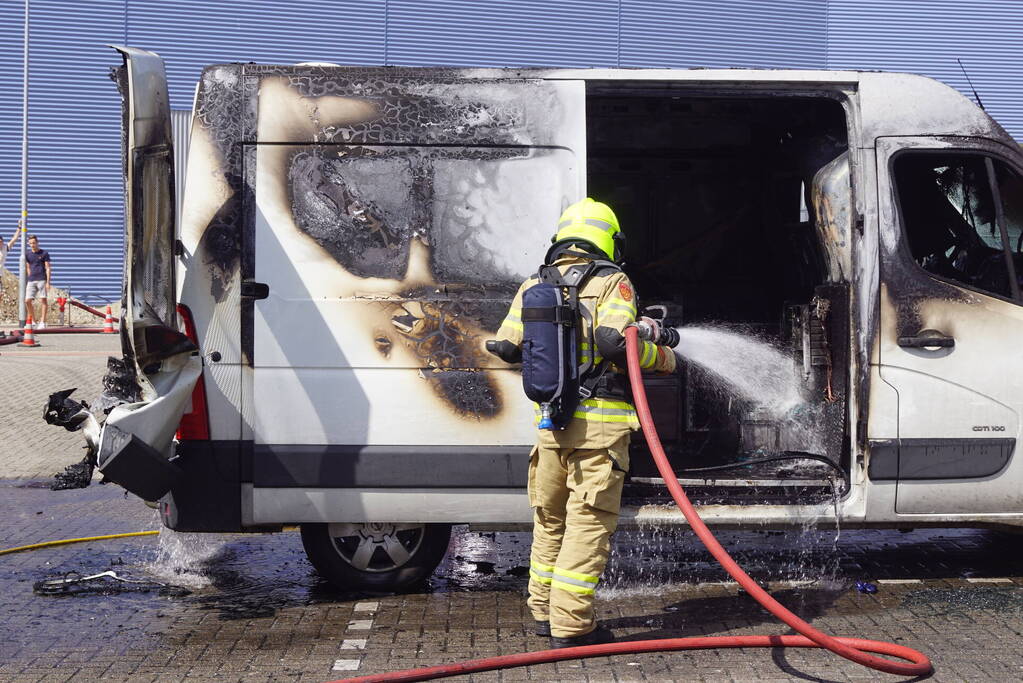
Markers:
<point>855,649</point>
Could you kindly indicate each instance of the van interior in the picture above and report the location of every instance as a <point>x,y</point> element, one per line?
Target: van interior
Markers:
<point>713,193</point>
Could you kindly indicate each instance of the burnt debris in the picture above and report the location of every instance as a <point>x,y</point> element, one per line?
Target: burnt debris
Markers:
<point>119,385</point>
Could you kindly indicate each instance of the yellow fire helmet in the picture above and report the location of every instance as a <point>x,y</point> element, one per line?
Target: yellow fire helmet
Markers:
<point>592,222</point>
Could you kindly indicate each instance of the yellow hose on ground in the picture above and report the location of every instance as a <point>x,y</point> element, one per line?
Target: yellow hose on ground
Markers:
<point>65,541</point>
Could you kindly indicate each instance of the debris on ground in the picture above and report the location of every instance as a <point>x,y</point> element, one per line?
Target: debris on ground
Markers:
<point>76,476</point>
<point>107,583</point>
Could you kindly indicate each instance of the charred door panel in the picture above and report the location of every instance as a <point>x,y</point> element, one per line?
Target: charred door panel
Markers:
<point>970,392</point>
<point>392,250</point>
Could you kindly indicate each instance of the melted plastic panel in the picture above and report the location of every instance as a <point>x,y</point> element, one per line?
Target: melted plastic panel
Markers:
<point>359,205</point>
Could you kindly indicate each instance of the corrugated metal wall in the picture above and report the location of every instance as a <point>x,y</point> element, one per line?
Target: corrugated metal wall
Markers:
<point>181,131</point>
<point>75,180</point>
<point>74,188</point>
<point>926,36</point>
<point>574,33</point>
<point>711,33</point>
<point>189,34</point>
<point>10,127</point>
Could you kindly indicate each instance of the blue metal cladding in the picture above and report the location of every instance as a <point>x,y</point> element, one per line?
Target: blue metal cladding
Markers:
<point>10,127</point>
<point>570,33</point>
<point>926,37</point>
<point>74,185</point>
<point>181,131</point>
<point>190,34</point>
<point>716,34</point>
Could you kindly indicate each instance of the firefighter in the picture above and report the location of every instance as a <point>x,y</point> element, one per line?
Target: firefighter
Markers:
<point>576,473</point>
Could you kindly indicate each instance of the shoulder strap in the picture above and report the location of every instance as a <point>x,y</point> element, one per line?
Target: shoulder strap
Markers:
<point>573,277</point>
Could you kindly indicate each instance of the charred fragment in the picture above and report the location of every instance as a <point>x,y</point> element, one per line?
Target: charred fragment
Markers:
<point>75,476</point>
<point>471,393</point>
<point>120,385</point>
<point>65,412</point>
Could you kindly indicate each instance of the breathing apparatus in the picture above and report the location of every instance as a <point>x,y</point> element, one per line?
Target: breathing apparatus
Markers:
<point>553,375</point>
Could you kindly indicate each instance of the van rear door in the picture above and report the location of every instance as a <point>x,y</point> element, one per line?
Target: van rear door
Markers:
<point>136,443</point>
<point>951,320</point>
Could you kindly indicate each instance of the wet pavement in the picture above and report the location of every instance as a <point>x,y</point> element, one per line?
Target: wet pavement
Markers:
<point>233,607</point>
<point>250,607</point>
<point>29,448</point>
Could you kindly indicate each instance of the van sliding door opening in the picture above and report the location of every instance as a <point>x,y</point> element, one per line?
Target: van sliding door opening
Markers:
<point>729,205</point>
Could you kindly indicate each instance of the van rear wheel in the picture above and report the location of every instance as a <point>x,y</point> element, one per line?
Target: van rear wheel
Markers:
<point>380,556</point>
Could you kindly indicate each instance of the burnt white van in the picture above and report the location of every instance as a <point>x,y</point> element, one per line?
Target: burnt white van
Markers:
<point>308,346</point>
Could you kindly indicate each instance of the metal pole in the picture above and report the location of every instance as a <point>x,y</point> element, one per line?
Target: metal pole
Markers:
<point>23,223</point>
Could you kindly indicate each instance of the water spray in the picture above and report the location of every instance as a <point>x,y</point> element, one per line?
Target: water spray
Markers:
<point>854,649</point>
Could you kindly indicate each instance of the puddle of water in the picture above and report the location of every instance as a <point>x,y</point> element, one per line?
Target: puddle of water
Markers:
<point>644,561</point>
<point>952,600</point>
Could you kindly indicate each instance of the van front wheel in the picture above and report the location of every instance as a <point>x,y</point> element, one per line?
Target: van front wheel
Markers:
<point>379,556</point>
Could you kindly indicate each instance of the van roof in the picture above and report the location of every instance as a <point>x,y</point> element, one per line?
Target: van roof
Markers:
<point>889,103</point>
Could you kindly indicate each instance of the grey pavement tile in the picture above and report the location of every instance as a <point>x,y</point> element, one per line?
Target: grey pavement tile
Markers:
<point>264,615</point>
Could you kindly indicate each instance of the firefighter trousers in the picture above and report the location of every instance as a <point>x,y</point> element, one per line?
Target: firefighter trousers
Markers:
<point>576,496</point>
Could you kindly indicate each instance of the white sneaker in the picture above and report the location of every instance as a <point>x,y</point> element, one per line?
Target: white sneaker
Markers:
<point>41,326</point>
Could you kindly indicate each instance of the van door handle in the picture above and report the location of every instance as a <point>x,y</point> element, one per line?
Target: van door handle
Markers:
<point>920,342</point>
<point>251,289</point>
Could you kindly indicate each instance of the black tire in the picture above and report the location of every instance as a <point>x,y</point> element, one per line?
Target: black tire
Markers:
<point>375,556</point>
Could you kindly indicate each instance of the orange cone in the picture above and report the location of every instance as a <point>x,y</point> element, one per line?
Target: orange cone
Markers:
<point>108,324</point>
<point>29,338</point>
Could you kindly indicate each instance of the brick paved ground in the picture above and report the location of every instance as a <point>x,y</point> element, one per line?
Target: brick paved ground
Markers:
<point>29,448</point>
<point>257,612</point>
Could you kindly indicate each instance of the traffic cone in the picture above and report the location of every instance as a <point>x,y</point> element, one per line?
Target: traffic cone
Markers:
<point>29,338</point>
<point>108,324</point>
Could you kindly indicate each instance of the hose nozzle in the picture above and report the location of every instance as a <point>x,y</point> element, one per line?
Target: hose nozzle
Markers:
<point>652,331</point>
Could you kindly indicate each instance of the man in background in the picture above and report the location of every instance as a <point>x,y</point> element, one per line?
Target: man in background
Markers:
<point>38,262</point>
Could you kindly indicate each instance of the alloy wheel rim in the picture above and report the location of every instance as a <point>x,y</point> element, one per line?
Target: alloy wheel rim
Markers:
<point>376,547</point>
